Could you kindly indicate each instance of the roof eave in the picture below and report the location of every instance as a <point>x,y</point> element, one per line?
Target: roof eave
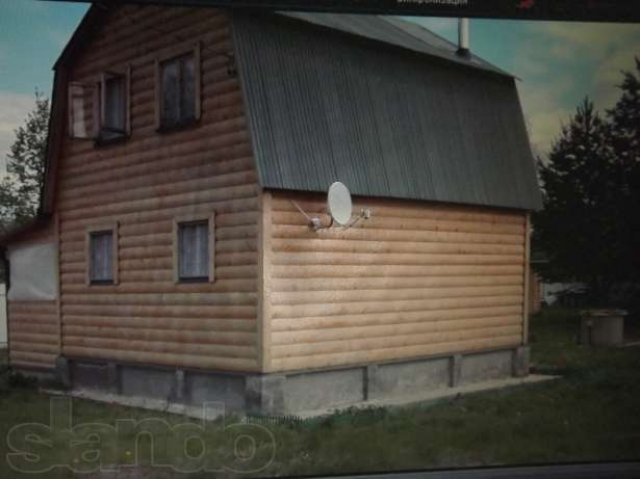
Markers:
<point>86,26</point>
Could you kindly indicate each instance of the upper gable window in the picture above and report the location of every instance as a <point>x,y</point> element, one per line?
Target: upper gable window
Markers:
<point>178,90</point>
<point>99,108</point>
<point>113,105</point>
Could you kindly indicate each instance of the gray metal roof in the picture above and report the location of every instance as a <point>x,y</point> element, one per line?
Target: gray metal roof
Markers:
<point>324,107</point>
<point>397,32</point>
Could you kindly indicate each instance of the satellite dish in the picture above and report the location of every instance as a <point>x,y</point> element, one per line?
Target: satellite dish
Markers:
<point>339,203</point>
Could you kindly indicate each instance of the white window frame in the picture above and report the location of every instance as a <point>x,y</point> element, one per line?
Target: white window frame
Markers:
<point>88,123</point>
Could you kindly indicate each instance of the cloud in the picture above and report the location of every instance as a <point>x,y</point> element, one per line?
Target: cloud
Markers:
<point>594,38</point>
<point>543,101</point>
<point>610,48</point>
<point>609,75</point>
<point>544,114</point>
<point>560,63</point>
<point>14,108</point>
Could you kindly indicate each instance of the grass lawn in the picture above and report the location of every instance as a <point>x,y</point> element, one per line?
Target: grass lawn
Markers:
<point>591,414</point>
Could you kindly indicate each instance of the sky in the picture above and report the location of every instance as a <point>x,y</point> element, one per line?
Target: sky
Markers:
<point>557,64</point>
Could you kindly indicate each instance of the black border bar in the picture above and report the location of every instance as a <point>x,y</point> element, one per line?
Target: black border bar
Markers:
<point>562,10</point>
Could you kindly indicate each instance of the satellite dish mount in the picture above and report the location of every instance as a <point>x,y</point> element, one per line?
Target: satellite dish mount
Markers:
<point>339,208</point>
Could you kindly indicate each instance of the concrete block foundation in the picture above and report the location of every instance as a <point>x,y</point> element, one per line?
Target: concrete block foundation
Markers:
<point>293,393</point>
<point>316,390</point>
<point>479,367</point>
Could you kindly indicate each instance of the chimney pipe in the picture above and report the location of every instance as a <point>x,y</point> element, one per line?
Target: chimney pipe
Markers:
<point>463,37</point>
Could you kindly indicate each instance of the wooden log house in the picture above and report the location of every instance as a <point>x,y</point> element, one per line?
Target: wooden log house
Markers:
<point>183,144</point>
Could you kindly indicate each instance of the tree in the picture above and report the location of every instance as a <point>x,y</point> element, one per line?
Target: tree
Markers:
<point>579,225</point>
<point>20,188</point>
<point>624,118</point>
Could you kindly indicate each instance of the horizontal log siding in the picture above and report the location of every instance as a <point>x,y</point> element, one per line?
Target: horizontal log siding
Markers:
<point>143,184</point>
<point>414,280</point>
<point>33,334</point>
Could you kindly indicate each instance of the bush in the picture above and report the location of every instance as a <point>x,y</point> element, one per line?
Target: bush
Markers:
<point>10,379</point>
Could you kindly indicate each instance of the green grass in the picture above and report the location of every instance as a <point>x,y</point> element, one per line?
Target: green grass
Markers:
<point>590,414</point>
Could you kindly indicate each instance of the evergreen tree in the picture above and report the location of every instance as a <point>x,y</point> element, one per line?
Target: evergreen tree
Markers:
<point>20,188</point>
<point>578,228</point>
<point>624,118</point>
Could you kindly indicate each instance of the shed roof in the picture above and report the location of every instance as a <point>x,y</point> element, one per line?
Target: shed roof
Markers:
<point>324,106</point>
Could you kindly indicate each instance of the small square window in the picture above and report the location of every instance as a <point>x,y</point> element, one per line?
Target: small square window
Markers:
<point>193,251</point>
<point>178,102</point>
<point>101,261</point>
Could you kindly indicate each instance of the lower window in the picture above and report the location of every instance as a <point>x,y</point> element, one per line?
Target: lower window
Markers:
<point>194,252</point>
<point>102,256</point>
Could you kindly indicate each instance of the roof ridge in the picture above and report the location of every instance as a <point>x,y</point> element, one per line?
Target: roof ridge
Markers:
<point>390,19</point>
<point>393,19</point>
<point>409,35</point>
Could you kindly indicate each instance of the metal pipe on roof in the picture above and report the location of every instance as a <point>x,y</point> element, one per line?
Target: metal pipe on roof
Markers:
<point>463,37</point>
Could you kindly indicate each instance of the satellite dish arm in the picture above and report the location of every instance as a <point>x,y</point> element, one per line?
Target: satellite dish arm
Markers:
<point>365,214</point>
<point>313,222</point>
<point>299,208</point>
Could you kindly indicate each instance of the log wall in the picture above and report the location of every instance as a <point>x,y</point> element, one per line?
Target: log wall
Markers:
<point>33,334</point>
<point>146,182</point>
<point>415,280</point>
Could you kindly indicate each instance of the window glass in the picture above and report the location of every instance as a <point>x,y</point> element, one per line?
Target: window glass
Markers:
<point>114,104</point>
<point>188,93</point>
<point>193,250</point>
<point>170,92</point>
<point>178,102</point>
<point>101,261</point>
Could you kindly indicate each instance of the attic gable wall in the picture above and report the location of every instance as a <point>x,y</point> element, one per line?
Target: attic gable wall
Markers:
<point>143,184</point>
